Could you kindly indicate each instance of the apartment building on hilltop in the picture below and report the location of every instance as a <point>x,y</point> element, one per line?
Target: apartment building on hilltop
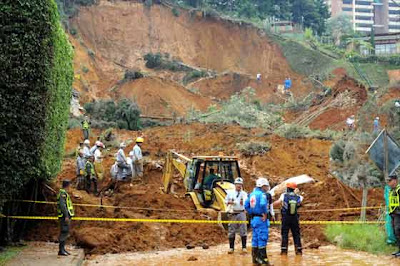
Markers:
<point>383,15</point>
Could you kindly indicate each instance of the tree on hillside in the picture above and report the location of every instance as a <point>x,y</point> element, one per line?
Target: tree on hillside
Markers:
<point>339,26</point>
<point>322,10</point>
<point>351,165</point>
<point>123,114</point>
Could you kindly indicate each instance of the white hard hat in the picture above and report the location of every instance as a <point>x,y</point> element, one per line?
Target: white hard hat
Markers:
<point>239,180</point>
<point>262,181</point>
<point>99,144</point>
<point>122,145</point>
<point>86,141</point>
<point>377,118</point>
<point>397,104</point>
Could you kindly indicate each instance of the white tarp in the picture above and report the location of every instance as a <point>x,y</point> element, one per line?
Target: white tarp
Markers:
<point>301,179</point>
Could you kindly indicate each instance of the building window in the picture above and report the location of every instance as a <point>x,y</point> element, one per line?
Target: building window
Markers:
<point>363,10</point>
<point>347,9</point>
<point>363,25</point>
<point>385,49</point>
<point>394,12</point>
<point>394,27</point>
<point>363,18</point>
<point>363,3</point>
<point>347,2</point>
<point>394,4</point>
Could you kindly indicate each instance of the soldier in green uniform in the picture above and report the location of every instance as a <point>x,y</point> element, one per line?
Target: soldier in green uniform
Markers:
<point>65,212</point>
<point>90,174</point>
<point>394,208</point>
<point>86,127</point>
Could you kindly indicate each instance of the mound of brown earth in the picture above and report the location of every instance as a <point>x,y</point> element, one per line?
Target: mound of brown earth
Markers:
<point>286,158</point>
<point>113,37</point>
<point>158,96</point>
<point>335,117</point>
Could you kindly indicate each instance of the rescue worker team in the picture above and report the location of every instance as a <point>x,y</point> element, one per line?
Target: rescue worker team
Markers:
<point>260,208</point>
<point>89,167</point>
<point>258,204</point>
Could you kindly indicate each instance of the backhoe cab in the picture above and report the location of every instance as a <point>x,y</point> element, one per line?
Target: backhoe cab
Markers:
<point>206,178</point>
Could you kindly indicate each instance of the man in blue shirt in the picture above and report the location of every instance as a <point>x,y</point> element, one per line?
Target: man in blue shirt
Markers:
<point>288,84</point>
<point>376,125</point>
<point>257,207</point>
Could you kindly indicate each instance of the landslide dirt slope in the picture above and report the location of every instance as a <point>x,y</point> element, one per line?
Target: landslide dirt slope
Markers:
<point>118,34</point>
<point>157,96</point>
<point>287,158</point>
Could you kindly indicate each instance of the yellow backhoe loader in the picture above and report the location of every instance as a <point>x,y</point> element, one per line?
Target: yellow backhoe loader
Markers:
<point>205,178</point>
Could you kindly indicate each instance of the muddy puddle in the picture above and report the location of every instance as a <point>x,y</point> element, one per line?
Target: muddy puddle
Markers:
<point>325,255</point>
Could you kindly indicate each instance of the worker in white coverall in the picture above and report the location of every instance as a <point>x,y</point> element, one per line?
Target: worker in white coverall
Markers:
<point>121,162</point>
<point>137,159</point>
<point>235,199</point>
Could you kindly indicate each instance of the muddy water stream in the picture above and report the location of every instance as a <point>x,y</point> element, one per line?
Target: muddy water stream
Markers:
<point>325,255</point>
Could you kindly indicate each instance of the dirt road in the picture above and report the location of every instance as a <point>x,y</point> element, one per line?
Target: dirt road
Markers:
<point>325,255</point>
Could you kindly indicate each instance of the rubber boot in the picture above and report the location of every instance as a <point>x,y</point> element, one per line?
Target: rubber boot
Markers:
<point>394,253</point>
<point>283,251</point>
<point>61,249</point>
<point>244,244</point>
<point>65,249</point>
<point>260,257</point>
<point>254,254</point>
<point>299,251</point>
<point>397,253</point>
<point>231,245</point>
<point>95,186</point>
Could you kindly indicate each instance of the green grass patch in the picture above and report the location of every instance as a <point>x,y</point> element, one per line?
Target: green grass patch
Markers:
<point>9,254</point>
<point>362,237</point>
<point>304,60</point>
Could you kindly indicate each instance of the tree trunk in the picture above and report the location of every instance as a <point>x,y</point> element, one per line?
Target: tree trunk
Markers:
<point>364,202</point>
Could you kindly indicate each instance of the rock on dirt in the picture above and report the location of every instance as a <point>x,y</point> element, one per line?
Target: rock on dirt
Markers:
<point>192,258</point>
<point>205,246</point>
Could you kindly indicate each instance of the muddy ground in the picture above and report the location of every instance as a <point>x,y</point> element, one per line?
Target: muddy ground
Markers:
<point>287,158</point>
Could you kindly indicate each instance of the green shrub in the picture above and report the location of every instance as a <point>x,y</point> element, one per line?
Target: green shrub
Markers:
<point>132,75</point>
<point>193,75</point>
<point>158,61</point>
<point>362,237</point>
<point>106,113</point>
<point>252,147</point>
<point>153,60</point>
<point>73,123</point>
<point>296,104</point>
<point>73,31</point>
<point>337,150</point>
<point>85,69</point>
<point>35,89</point>
<point>176,12</point>
<point>294,131</point>
<point>91,53</point>
<point>243,110</point>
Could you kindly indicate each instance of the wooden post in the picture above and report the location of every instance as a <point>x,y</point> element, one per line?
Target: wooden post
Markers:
<point>386,151</point>
<point>364,202</point>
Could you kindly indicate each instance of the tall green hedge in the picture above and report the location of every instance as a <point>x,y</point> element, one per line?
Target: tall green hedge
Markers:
<point>35,89</point>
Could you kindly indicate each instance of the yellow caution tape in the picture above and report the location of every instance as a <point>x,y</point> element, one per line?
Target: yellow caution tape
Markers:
<point>179,221</point>
<point>128,220</point>
<point>181,210</point>
<point>342,209</point>
<point>109,206</point>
